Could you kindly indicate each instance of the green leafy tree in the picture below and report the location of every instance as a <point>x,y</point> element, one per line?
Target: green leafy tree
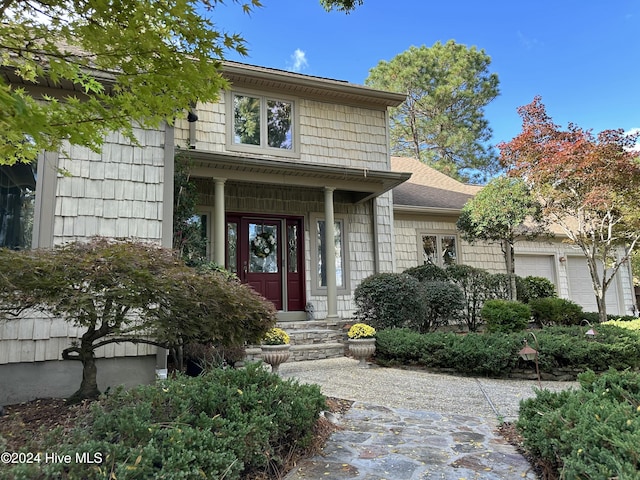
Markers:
<point>189,232</point>
<point>442,120</point>
<point>123,291</point>
<point>587,185</point>
<point>504,211</point>
<point>346,6</point>
<point>122,62</point>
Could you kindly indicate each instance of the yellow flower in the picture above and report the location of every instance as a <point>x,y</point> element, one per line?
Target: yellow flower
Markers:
<point>361,330</point>
<point>275,336</point>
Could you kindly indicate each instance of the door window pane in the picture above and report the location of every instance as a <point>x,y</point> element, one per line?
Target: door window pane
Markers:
<point>246,120</point>
<point>337,245</point>
<point>263,248</point>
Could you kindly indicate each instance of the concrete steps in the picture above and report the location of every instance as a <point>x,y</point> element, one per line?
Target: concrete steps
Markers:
<point>310,340</point>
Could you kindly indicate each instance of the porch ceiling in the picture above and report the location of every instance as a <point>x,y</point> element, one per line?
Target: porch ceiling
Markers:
<point>361,184</point>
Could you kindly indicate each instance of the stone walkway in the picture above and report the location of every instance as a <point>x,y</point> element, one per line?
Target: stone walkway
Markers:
<point>415,425</point>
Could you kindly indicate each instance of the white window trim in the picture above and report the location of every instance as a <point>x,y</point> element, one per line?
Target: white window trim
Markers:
<point>262,149</point>
<point>313,245</point>
<point>439,234</point>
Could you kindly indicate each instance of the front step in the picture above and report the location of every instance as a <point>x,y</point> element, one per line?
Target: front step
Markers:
<point>310,340</point>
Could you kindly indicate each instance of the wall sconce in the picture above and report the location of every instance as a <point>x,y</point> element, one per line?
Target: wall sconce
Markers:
<point>192,117</point>
<point>591,333</point>
<point>562,259</point>
<point>527,354</point>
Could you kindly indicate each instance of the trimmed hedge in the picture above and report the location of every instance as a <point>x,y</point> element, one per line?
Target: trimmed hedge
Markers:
<point>388,300</point>
<point>496,354</point>
<point>505,316</point>
<point>223,424</point>
<point>555,311</point>
<point>593,432</point>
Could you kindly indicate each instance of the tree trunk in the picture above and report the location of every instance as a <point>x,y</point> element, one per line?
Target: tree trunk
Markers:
<point>511,269</point>
<point>602,305</point>
<point>89,386</point>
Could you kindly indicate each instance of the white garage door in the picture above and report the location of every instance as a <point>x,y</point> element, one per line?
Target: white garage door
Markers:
<point>581,291</point>
<point>536,266</point>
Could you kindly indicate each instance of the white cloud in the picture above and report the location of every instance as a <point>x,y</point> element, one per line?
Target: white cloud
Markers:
<point>635,131</point>
<point>298,61</point>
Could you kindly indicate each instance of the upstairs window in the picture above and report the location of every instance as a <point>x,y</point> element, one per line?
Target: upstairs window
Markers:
<point>261,122</point>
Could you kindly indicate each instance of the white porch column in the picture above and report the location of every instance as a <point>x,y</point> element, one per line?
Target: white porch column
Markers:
<point>330,253</point>
<point>219,241</point>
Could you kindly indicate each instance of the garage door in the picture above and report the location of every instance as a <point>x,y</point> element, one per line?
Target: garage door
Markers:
<point>581,291</point>
<point>536,266</point>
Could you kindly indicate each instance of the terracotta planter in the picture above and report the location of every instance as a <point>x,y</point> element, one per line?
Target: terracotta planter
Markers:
<point>274,355</point>
<point>361,349</point>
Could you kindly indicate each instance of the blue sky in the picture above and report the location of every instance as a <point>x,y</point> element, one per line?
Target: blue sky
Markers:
<point>582,57</point>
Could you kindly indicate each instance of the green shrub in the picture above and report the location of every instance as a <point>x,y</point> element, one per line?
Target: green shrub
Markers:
<point>485,355</point>
<point>593,432</point>
<point>428,272</point>
<point>555,311</point>
<point>473,283</point>
<point>530,288</point>
<point>495,354</point>
<point>505,316</point>
<point>498,286</point>
<point>386,300</point>
<point>443,302</point>
<point>223,424</point>
<point>594,317</point>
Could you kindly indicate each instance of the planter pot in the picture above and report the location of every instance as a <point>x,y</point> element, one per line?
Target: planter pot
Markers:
<point>274,355</point>
<point>361,349</point>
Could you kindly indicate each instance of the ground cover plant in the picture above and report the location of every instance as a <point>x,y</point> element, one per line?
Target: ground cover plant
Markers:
<point>593,432</point>
<point>231,424</point>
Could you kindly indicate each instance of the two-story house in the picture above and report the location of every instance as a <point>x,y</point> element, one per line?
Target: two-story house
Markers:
<point>294,180</point>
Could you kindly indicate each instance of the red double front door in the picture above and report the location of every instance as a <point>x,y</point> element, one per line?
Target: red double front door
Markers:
<point>266,252</point>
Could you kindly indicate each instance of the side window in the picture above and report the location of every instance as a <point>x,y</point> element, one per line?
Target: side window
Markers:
<point>318,248</point>
<point>438,249</point>
<point>17,204</point>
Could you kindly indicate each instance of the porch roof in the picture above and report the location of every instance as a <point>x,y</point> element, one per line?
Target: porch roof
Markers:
<point>361,184</point>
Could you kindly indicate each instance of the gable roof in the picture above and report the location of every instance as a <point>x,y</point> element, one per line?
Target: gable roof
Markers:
<point>429,189</point>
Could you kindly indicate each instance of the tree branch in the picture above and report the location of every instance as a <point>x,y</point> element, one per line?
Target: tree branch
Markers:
<point>130,340</point>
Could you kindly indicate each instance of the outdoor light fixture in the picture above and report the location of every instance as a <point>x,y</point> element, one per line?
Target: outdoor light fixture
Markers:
<point>528,354</point>
<point>591,333</point>
<point>192,117</point>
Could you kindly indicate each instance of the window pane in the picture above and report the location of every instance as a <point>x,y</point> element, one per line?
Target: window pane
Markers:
<point>246,120</point>
<point>279,124</point>
<point>429,256</point>
<point>292,248</point>
<point>449,252</point>
<point>322,273</point>
<point>17,201</point>
<point>263,251</point>
<point>232,247</point>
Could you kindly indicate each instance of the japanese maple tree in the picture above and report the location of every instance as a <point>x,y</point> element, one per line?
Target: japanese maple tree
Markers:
<point>587,185</point>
